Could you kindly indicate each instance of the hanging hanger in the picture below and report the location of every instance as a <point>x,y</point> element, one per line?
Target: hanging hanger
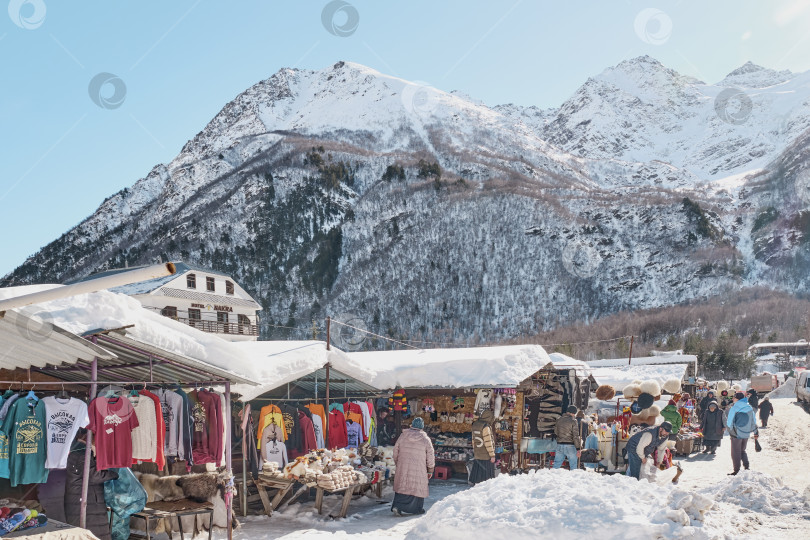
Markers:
<point>31,395</point>
<point>62,393</point>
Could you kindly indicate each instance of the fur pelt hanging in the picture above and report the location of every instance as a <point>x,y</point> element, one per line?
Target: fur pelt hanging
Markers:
<point>631,391</point>
<point>672,386</point>
<point>605,392</point>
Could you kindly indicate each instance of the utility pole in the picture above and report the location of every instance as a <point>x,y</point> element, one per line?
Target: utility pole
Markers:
<point>630,360</point>
<point>328,332</point>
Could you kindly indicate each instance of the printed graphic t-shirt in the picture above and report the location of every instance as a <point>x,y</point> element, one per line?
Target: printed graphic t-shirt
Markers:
<point>112,421</point>
<point>63,419</point>
<point>25,428</point>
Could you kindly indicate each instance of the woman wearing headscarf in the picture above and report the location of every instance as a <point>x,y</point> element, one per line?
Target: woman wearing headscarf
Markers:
<point>711,424</point>
<point>413,456</point>
<point>483,466</point>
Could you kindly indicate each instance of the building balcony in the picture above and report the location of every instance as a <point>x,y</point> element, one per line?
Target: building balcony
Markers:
<point>216,327</point>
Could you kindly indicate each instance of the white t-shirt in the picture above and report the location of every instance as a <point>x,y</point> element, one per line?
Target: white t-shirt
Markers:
<point>64,417</point>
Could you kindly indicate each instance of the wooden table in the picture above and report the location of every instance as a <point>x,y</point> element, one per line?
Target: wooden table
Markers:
<point>347,496</point>
<point>178,509</point>
<point>281,484</point>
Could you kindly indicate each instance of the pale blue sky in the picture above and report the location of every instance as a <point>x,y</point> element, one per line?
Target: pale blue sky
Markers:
<point>182,60</point>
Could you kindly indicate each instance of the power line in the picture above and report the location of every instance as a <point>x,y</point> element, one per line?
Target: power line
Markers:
<point>373,334</point>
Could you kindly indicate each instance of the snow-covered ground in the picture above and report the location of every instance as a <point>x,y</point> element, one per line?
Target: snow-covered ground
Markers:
<point>771,500</point>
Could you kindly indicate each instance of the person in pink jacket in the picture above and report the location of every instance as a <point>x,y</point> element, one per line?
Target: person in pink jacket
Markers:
<point>413,456</point>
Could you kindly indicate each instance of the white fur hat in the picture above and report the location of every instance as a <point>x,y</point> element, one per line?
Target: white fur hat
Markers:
<point>651,387</point>
<point>672,386</point>
<point>637,381</point>
<point>631,391</point>
<point>653,411</point>
<point>722,385</point>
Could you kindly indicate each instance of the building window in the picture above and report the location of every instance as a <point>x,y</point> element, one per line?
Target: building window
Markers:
<point>169,311</point>
<point>244,323</point>
<point>194,318</point>
<point>191,281</point>
<point>228,287</point>
<point>209,284</point>
<point>222,321</point>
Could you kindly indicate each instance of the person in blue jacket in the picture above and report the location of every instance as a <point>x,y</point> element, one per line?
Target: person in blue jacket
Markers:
<point>741,424</point>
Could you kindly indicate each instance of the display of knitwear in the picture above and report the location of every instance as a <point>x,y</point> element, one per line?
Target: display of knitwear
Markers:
<point>397,402</point>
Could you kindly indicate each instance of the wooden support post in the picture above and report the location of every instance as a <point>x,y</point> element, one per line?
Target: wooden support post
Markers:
<point>630,360</point>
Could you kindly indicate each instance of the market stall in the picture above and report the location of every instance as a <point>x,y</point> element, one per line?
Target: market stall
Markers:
<point>525,389</point>
<point>315,425</point>
<point>134,364</point>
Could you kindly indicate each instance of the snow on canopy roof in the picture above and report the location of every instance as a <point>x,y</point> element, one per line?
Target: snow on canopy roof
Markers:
<point>505,366</point>
<point>619,377</point>
<point>144,287</point>
<point>105,310</point>
<point>276,363</point>
<point>645,360</point>
<point>561,360</point>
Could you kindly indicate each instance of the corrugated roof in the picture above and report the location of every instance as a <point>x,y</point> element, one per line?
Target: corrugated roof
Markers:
<point>132,363</point>
<point>152,284</point>
<point>313,386</point>
<point>27,341</point>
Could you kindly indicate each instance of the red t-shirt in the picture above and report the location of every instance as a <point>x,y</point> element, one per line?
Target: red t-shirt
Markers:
<point>112,421</point>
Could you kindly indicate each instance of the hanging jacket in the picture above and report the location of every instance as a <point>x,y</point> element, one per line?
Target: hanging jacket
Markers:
<point>125,496</point>
<point>96,516</point>
<point>187,429</point>
<point>249,449</point>
<point>269,414</point>
<point>338,437</point>
<point>308,441</point>
<point>671,415</point>
<point>290,416</point>
<point>160,454</point>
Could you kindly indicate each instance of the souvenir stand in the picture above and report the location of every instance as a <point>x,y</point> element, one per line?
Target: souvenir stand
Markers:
<point>449,388</point>
<point>302,409</point>
<point>546,395</point>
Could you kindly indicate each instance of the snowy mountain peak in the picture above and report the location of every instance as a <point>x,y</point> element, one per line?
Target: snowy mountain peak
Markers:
<point>751,75</point>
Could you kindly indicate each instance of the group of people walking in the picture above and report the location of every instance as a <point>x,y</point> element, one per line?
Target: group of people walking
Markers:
<point>738,418</point>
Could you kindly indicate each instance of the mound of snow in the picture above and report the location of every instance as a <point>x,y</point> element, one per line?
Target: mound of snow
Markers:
<point>758,492</point>
<point>785,390</point>
<point>561,504</point>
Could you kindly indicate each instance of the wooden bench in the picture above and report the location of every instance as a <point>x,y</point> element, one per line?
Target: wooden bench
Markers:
<point>178,509</point>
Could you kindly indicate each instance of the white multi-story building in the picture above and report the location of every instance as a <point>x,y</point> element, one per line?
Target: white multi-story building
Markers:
<point>205,299</point>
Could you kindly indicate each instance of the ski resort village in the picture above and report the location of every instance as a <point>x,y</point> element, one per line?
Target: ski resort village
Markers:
<point>262,281</point>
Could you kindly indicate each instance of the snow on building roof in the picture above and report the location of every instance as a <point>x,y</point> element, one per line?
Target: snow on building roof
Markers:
<point>646,360</point>
<point>276,363</point>
<point>504,366</point>
<point>105,310</point>
<point>619,377</point>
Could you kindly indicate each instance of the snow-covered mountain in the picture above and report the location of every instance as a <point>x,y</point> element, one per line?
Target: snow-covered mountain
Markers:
<point>433,216</point>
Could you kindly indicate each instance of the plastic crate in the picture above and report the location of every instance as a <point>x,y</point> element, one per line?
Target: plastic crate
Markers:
<point>441,472</point>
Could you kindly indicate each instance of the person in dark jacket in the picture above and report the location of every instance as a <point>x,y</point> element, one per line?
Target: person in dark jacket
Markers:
<point>97,521</point>
<point>584,426</point>
<point>753,399</point>
<point>704,403</point>
<point>765,411</point>
<point>386,429</point>
<point>711,424</point>
<point>569,443</point>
